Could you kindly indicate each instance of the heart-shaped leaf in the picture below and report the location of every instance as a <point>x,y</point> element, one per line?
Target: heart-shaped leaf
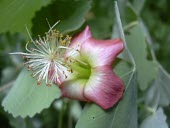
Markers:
<point>15,14</point>
<point>26,98</point>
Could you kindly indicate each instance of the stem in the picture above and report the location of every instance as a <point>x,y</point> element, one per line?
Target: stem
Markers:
<point>5,86</point>
<point>60,122</point>
<point>70,123</point>
<point>147,108</point>
<point>130,25</point>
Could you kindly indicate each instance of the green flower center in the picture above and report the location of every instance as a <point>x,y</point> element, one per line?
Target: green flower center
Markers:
<point>83,71</point>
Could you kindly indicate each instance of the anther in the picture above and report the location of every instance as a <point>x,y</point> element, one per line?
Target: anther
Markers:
<point>71,70</point>
<point>78,50</point>
<point>48,85</point>
<point>61,35</point>
<point>29,68</point>
<point>32,49</point>
<point>65,77</point>
<point>23,57</point>
<point>32,75</point>
<point>39,83</point>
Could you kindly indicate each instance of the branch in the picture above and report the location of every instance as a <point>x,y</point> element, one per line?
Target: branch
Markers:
<point>5,86</point>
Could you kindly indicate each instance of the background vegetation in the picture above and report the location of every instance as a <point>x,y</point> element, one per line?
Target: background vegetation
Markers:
<point>146,25</point>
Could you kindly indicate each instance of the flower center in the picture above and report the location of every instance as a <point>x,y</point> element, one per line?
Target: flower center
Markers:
<point>83,70</point>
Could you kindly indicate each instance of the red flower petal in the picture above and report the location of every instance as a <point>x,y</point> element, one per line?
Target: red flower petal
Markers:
<point>104,87</point>
<point>101,52</point>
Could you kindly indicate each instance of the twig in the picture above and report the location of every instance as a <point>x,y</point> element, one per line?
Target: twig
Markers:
<point>60,122</point>
<point>70,121</point>
<point>5,86</point>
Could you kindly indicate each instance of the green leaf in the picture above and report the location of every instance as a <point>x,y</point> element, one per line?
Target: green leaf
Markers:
<point>159,91</point>
<point>156,120</point>
<point>100,26</point>
<point>16,13</point>
<point>138,5</point>
<point>123,115</point>
<point>152,97</point>
<point>101,18</point>
<point>146,69</point>
<point>70,13</point>
<point>26,98</point>
<point>163,84</point>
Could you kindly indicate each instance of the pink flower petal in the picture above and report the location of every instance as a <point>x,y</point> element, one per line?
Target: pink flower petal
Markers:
<point>77,41</point>
<point>74,89</point>
<point>81,37</point>
<point>104,87</point>
<point>101,52</point>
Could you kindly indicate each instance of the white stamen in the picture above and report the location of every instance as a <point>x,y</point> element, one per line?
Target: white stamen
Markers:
<point>53,26</point>
<point>47,55</point>
<point>46,59</point>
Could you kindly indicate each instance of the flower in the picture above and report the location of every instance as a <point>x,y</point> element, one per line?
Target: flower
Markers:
<point>82,67</point>
<point>92,78</point>
<point>46,56</point>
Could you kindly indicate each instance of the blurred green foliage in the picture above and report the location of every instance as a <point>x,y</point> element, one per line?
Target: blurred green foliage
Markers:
<point>148,88</point>
<point>157,19</point>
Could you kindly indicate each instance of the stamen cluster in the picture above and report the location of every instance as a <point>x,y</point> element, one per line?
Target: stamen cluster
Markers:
<point>47,57</point>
